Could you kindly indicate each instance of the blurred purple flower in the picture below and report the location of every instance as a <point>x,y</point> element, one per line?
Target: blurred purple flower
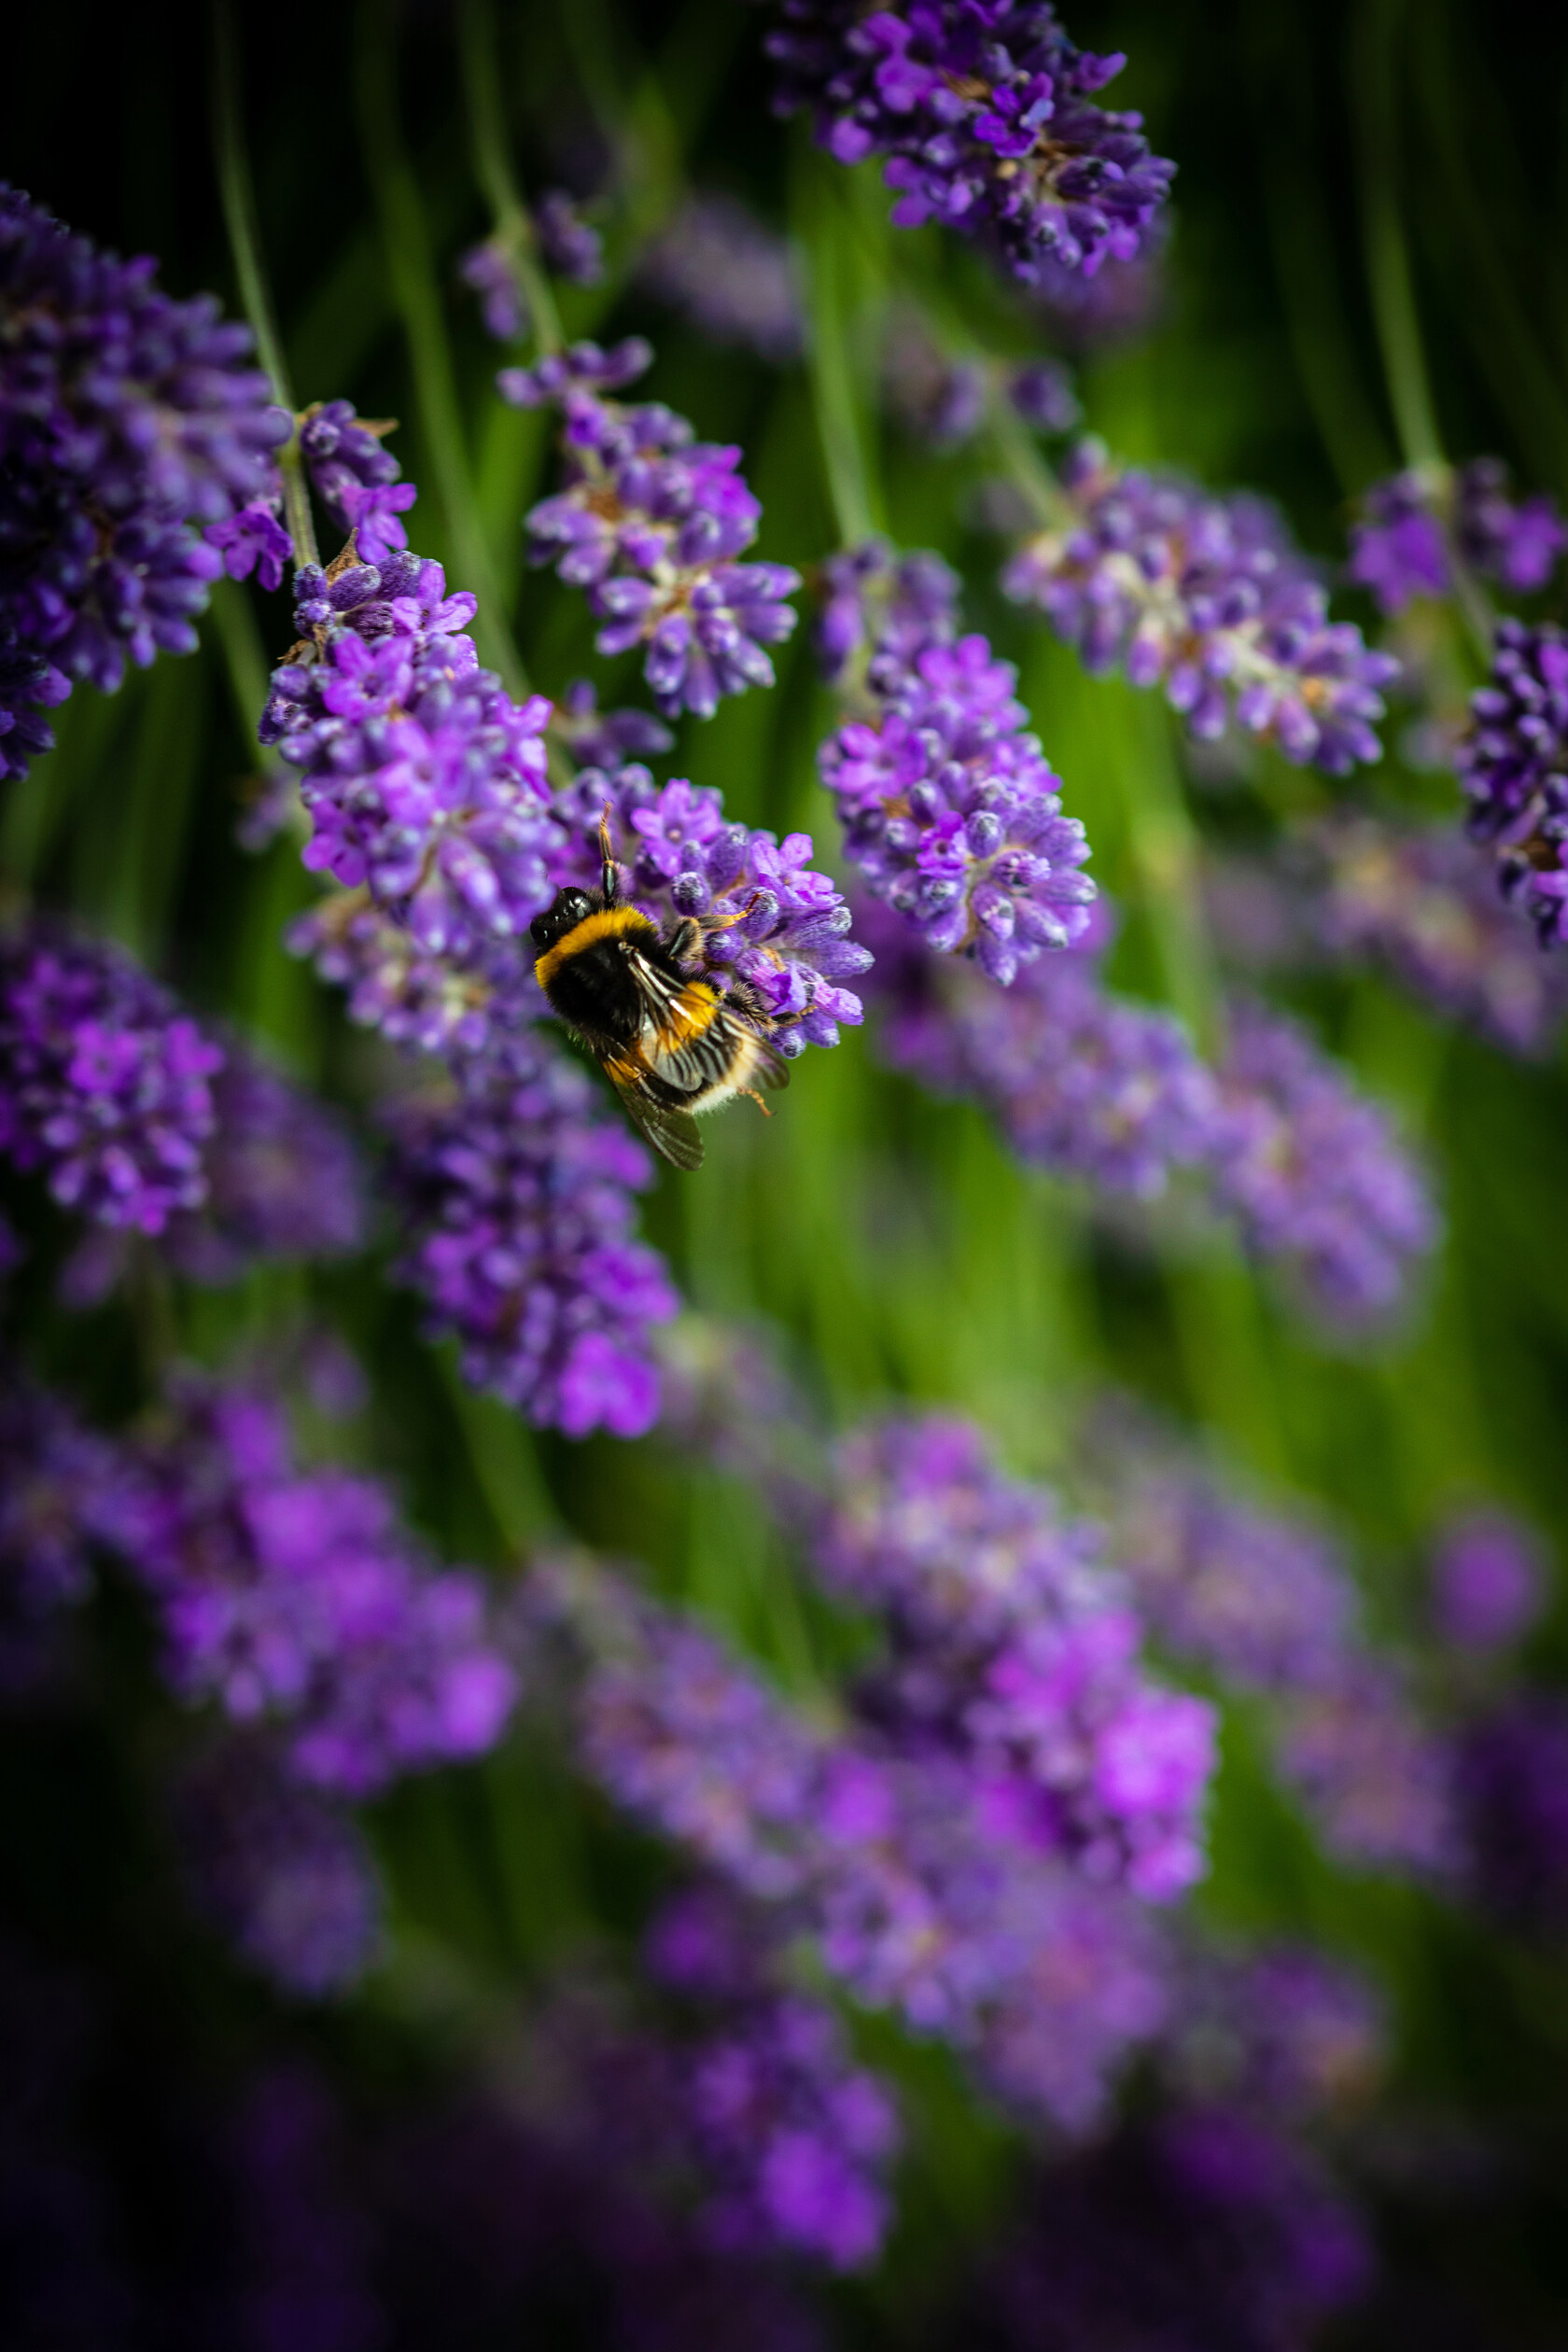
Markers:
<point>1489,1584</point>
<point>731,276</point>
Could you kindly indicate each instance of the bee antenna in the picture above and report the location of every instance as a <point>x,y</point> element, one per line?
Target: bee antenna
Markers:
<point>606,857</point>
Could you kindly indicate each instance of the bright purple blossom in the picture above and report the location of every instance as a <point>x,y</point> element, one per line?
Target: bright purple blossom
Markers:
<point>1012,1644</point>
<point>1313,1172</point>
<point>341,455</point>
<point>651,524</point>
<point>104,1082</point>
<point>1415,522</point>
<point>1081,1080</point>
<point>1205,597</point>
<point>375,510</point>
<point>424,781</point>
<point>253,540</point>
<point>1416,898</point>
<point>278,1868</point>
<point>126,420</point>
<point>1513,765</point>
<point>294,1598</point>
<point>952,812</point>
<point>985,112</point>
<point>730,276</point>
<point>1487,1582</point>
<point>873,597</point>
<point>889,1864</point>
<point>769,917</point>
<point>520,1198</point>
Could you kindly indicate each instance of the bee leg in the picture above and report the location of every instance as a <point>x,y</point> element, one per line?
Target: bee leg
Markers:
<point>725,922</point>
<point>685,939</point>
<point>609,874</point>
<point>750,1092</point>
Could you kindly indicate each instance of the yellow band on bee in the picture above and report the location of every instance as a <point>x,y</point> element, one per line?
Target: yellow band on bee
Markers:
<point>608,922</point>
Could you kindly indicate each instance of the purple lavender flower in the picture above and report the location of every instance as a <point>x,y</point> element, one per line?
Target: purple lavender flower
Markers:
<point>280,1870</point>
<point>294,1597</point>
<point>103,1083</point>
<point>1414,523</point>
<point>1012,1644</point>
<point>1513,765</point>
<point>987,115</point>
<point>253,540</point>
<point>126,420</point>
<point>567,243</point>
<point>28,685</point>
<point>50,1470</point>
<point>1487,1582</point>
<point>344,454</point>
<point>284,1179</point>
<point>424,781</point>
<point>520,1203</point>
<point>871,596</point>
<point>952,812</point>
<point>1042,392</point>
<point>889,1864</point>
<point>1373,1779</point>
<point>1281,2031</point>
<point>938,398</point>
<point>488,270</point>
<point>1263,1598</point>
<point>650,524</point>
<point>769,917</point>
<point>1314,1173</point>
<point>1418,900</point>
<point>1081,1080</point>
<point>1124,300</point>
<point>736,281</point>
<point>1205,597</point>
<point>1511,1772</point>
<point>605,738</point>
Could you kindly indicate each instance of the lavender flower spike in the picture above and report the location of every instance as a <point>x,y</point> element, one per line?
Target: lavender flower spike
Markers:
<point>104,1082</point>
<point>986,111</point>
<point>127,420</point>
<point>520,1201</point>
<point>1313,1172</point>
<point>731,278</point>
<point>952,811</point>
<point>651,523</point>
<point>1414,523</point>
<point>1513,765</point>
<point>1205,597</point>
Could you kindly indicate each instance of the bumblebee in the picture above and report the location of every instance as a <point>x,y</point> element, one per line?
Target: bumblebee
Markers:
<point>671,1043</point>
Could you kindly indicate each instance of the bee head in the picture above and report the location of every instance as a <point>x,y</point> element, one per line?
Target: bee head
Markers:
<point>569,909</point>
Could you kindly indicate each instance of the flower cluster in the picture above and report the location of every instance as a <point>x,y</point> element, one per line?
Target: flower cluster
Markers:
<point>1415,523</point>
<point>1513,765</point>
<point>793,2136</point>
<point>651,524</point>
<point>278,1868</point>
<point>294,1598</point>
<point>104,1082</point>
<point>1266,1601</point>
<point>1313,1174</point>
<point>875,600</point>
<point>519,1199</point>
<point>890,1863</point>
<point>943,401</point>
<point>1012,1644</point>
<point>768,918</point>
<point>987,113</point>
<point>1205,597</point>
<point>1081,1080</point>
<point>1487,1582</point>
<point>737,281</point>
<point>1418,900</point>
<point>126,421</point>
<point>951,810</point>
<point>566,244</point>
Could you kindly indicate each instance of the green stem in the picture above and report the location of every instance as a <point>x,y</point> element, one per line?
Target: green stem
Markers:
<point>819,224</point>
<point>415,291</point>
<point>514,227</point>
<point>1388,261</point>
<point>237,191</point>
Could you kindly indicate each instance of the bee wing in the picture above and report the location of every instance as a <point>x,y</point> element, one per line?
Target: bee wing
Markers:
<point>673,1134</point>
<point>697,1045</point>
